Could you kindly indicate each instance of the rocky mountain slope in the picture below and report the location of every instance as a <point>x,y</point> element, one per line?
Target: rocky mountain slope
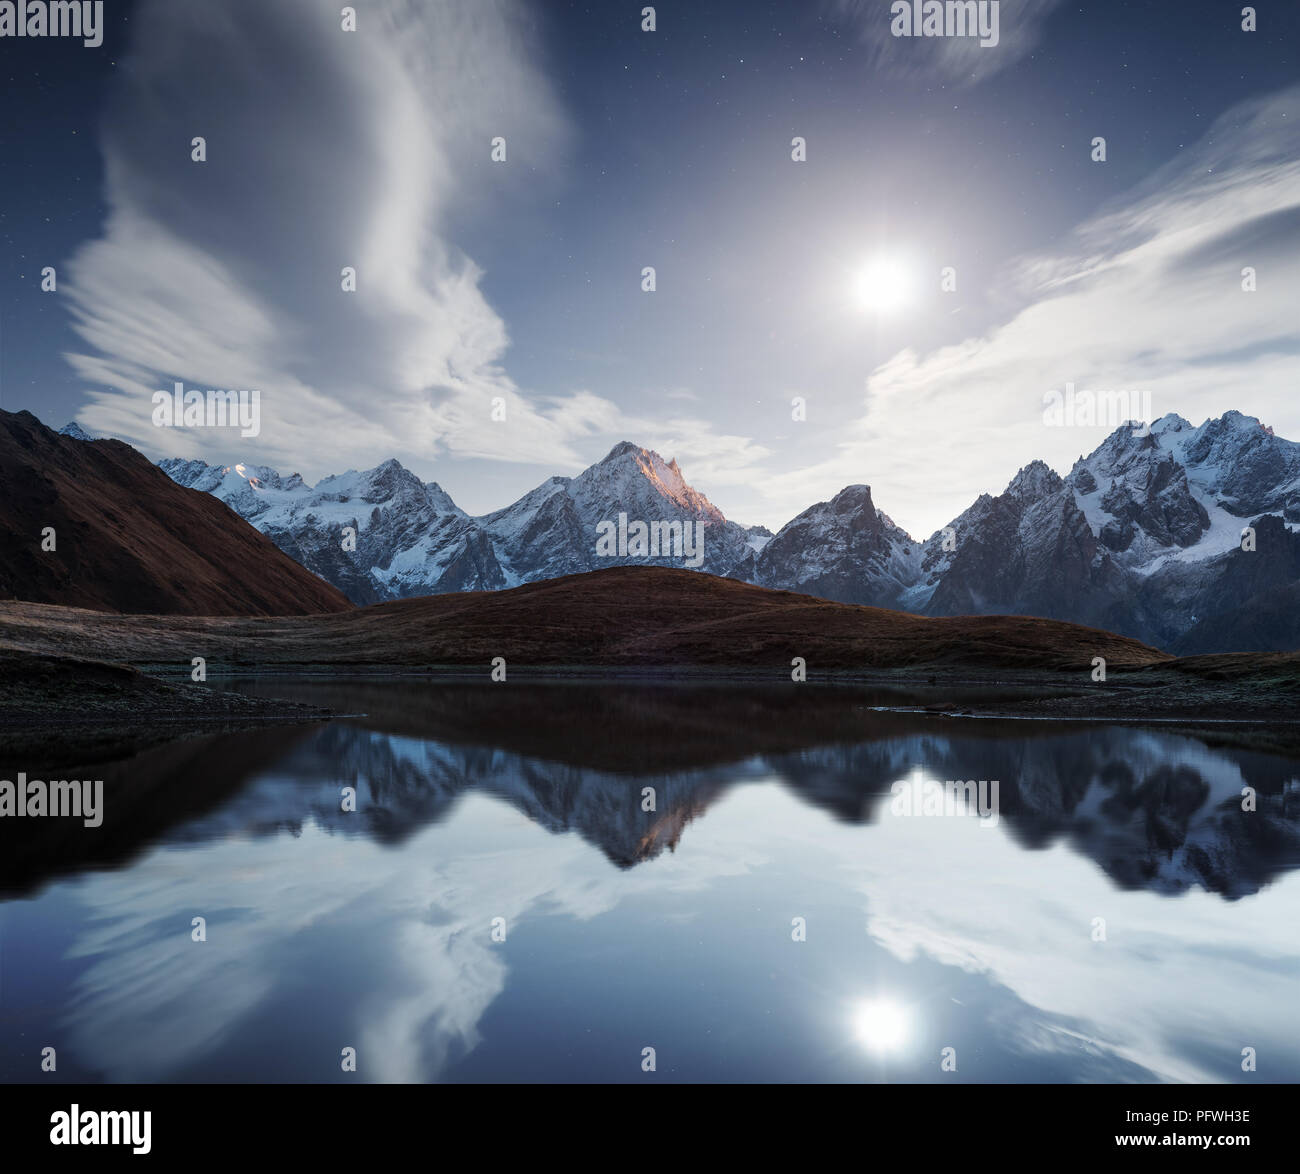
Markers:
<point>1145,536</point>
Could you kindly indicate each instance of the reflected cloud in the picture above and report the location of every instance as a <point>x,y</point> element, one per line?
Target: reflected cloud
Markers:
<point>373,929</point>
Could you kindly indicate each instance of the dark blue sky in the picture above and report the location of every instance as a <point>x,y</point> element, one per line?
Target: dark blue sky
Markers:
<point>628,149</point>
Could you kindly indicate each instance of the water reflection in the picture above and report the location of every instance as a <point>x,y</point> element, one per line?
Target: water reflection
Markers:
<point>882,1024</point>
<point>669,927</point>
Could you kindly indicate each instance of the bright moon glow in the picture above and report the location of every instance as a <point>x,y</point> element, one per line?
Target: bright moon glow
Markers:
<point>881,1024</point>
<point>884,285</point>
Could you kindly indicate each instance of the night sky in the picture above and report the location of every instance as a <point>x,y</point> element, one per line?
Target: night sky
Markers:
<point>521,280</point>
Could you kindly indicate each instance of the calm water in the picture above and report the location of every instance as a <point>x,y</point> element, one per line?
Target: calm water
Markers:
<point>670,929</point>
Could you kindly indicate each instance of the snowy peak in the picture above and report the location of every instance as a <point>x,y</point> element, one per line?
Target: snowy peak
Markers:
<point>385,483</point>
<point>1034,481</point>
<point>553,529</point>
<point>372,533</point>
<point>1182,493</point>
<point>388,482</point>
<point>381,533</point>
<point>1238,458</point>
<point>638,480</point>
<point>1170,424</point>
<point>76,431</point>
<point>441,499</point>
<point>260,476</point>
<point>842,549</point>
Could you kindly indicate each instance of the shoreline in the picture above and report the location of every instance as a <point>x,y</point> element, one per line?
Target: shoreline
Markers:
<point>94,735</point>
<point>65,709</point>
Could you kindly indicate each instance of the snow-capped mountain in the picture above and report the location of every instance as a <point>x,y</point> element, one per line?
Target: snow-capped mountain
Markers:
<point>842,549</point>
<point>412,539</point>
<point>378,534</point>
<point>1028,551</point>
<point>1142,537</point>
<point>553,530</point>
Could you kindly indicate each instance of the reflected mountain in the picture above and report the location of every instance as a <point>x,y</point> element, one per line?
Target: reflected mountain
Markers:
<point>1154,809</point>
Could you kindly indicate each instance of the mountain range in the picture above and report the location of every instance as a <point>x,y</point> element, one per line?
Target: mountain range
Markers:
<point>412,539</point>
<point>1143,537</point>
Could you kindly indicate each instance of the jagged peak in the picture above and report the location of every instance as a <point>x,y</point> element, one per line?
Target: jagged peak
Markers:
<point>75,431</point>
<point>391,468</point>
<point>1036,479</point>
<point>262,472</point>
<point>644,456</point>
<point>1228,436</point>
<point>664,476</point>
<point>624,448</point>
<point>851,499</point>
<point>441,499</point>
<point>1170,422</point>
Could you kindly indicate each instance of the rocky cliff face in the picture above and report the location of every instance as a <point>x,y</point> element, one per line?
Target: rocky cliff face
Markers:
<point>843,549</point>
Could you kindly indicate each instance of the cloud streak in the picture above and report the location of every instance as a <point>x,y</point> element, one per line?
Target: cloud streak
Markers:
<point>1145,295</point>
<point>956,60</point>
<point>325,149</point>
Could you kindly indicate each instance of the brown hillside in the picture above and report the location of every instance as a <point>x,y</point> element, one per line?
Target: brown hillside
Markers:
<point>129,539</point>
<point>625,616</point>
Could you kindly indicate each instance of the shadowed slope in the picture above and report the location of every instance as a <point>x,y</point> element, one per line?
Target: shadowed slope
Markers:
<point>129,539</point>
<point>625,616</point>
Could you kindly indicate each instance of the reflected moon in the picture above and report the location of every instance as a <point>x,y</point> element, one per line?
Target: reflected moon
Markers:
<point>882,1025</point>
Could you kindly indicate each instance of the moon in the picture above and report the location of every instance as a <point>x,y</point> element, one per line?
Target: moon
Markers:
<point>882,1025</point>
<point>884,285</point>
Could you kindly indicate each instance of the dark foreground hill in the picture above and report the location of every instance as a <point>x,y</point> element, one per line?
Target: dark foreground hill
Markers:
<point>127,538</point>
<point>615,624</point>
<point>630,617</point>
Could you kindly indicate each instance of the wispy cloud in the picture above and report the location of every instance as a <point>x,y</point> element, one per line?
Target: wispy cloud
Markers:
<point>325,149</point>
<point>1145,295</point>
<point>954,60</point>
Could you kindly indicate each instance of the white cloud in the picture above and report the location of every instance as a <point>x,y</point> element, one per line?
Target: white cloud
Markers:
<point>226,273</point>
<point>956,60</point>
<point>1144,296</point>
